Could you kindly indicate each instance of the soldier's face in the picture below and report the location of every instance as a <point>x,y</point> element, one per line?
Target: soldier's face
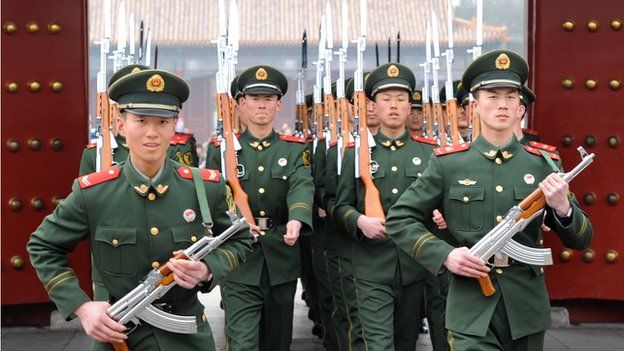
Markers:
<point>147,137</point>
<point>392,107</point>
<point>415,118</point>
<point>371,114</point>
<point>499,108</point>
<point>462,119</point>
<point>260,109</point>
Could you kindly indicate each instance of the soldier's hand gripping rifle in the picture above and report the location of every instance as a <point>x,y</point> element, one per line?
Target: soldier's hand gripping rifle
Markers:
<point>438,117</point>
<point>228,143</point>
<point>363,139</point>
<point>427,112</point>
<point>329,105</point>
<point>451,102</point>
<point>343,125</point>
<point>104,153</point>
<point>301,127</point>
<point>499,239</point>
<point>137,306</point>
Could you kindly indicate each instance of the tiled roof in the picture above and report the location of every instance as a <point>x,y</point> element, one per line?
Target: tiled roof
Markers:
<point>281,22</point>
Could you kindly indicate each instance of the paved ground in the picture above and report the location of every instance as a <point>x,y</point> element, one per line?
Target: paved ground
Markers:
<point>581,337</point>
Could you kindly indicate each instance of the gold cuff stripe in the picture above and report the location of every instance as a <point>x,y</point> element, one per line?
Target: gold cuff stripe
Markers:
<point>300,205</point>
<point>451,340</point>
<point>58,276</point>
<point>583,227</point>
<point>421,246</point>
<point>418,241</point>
<point>58,283</point>
<point>346,215</point>
<point>226,254</point>
<point>234,257</point>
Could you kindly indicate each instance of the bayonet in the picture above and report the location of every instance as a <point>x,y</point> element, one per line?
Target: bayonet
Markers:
<point>148,48</point>
<point>399,47</point>
<point>329,104</point>
<point>301,126</point>
<point>451,102</point>
<point>377,54</point>
<point>343,123</point>
<point>389,50</point>
<point>119,54</point>
<point>141,38</point>
<point>427,112</point>
<point>156,57</point>
<point>438,117</point>
<point>474,123</point>
<point>104,153</point>
<point>131,38</point>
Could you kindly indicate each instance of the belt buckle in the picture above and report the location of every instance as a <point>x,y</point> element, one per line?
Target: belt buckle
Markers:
<point>501,260</point>
<point>263,223</point>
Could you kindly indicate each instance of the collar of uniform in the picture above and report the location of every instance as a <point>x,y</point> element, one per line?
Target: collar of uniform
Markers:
<point>259,144</point>
<point>142,186</point>
<point>491,151</point>
<point>384,140</point>
<point>121,140</point>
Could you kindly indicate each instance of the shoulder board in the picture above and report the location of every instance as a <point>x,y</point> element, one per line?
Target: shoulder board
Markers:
<point>425,140</point>
<point>332,144</point>
<point>530,131</point>
<point>91,146</point>
<point>536,151</point>
<point>181,138</point>
<point>292,138</point>
<point>545,147</point>
<point>207,174</point>
<point>446,150</point>
<point>215,141</point>
<point>89,180</point>
<point>351,145</point>
<point>310,139</point>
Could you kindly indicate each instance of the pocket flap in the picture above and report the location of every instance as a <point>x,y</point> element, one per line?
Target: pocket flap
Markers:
<point>413,172</point>
<point>466,194</point>
<point>116,236</point>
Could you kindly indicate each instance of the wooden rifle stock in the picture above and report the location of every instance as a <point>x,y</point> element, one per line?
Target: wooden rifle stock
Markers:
<point>301,117</point>
<point>451,114</point>
<point>372,201</point>
<point>428,116</point>
<point>438,117</point>
<point>240,197</point>
<point>319,118</point>
<point>474,121</point>
<point>330,110</point>
<point>235,116</point>
<point>104,109</point>
<point>345,122</point>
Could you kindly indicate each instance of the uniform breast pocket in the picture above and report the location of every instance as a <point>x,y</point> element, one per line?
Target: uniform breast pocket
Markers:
<point>413,172</point>
<point>465,208</point>
<point>279,177</point>
<point>116,250</point>
<point>185,236</point>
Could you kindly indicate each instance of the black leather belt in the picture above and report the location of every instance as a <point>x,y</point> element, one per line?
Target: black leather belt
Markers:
<point>170,307</point>
<point>266,223</point>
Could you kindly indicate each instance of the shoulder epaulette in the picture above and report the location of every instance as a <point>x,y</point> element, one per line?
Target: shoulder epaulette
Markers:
<point>292,138</point>
<point>425,140</point>
<point>181,138</point>
<point>215,141</point>
<point>530,131</point>
<point>332,144</point>
<point>545,147</point>
<point>207,174</point>
<point>96,178</point>
<point>536,151</point>
<point>351,144</point>
<point>446,150</point>
<point>91,146</point>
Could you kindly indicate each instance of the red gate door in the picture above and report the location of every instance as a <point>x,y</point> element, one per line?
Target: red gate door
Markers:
<point>576,50</point>
<point>44,128</point>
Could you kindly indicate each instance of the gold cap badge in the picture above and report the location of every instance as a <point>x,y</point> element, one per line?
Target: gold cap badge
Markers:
<point>392,71</point>
<point>261,74</point>
<point>135,70</point>
<point>502,61</point>
<point>416,96</point>
<point>155,83</point>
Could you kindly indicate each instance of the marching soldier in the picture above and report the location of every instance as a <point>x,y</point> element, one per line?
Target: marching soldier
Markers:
<point>415,118</point>
<point>135,214</point>
<point>389,286</point>
<point>275,173</point>
<point>525,136</point>
<point>474,185</point>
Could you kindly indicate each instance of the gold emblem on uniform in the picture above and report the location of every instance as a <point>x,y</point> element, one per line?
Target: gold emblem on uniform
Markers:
<point>507,155</point>
<point>416,96</point>
<point>161,189</point>
<point>142,189</point>
<point>502,61</point>
<point>189,215</point>
<point>392,71</point>
<point>261,74</point>
<point>307,159</point>
<point>155,83</point>
<point>467,181</point>
<point>229,199</point>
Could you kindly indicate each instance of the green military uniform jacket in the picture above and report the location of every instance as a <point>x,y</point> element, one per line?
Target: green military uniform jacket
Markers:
<point>318,175</point>
<point>400,162</point>
<point>337,238</point>
<point>133,223</point>
<point>474,186</point>
<point>279,185</point>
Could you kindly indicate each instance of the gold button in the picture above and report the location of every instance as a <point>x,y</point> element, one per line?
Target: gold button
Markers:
<point>154,231</point>
<point>419,174</point>
<point>115,242</point>
<point>203,317</point>
<point>260,147</point>
<point>466,198</point>
<point>499,218</point>
<point>394,168</point>
<point>395,190</point>
<point>260,168</point>
<point>541,241</point>
<point>284,177</point>
<point>393,148</point>
<point>261,190</point>
<point>262,232</point>
<point>542,270</point>
<point>193,238</point>
<point>499,188</point>
<point>155,265</point>
<point>151,196</point>
<point>110,171</point>
<point>262,213</point>
<point>499,271</point>
<point>498,161</point>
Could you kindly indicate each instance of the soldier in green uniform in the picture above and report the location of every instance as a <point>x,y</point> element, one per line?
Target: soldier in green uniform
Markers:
<point>135,214</point>
<point>389,286</point>
<point>414,122</point>
<point>474,185</point>
<point>527,97</point>
<point>275,173</point>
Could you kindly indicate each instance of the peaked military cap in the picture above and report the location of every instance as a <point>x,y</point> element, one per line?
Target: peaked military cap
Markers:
<point>456,83</point>
<point>389,76</point>
<point>151,92</point>
<point>234,88</point>
<point>462,95</point>
<point>527,96</point>
<point>125,71</point>
<point>262,80</point>
<point>416,99</point>
<point>349,89</point>
<point>496,69</point>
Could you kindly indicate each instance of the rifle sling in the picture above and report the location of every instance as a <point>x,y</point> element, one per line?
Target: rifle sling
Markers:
<point>201,197</point>
<point>549,161</point>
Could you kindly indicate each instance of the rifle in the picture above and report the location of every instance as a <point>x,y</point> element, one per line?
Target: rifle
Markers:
<point>342,124</point>
<point>499,239</point>
<point>228,143</point>
<point>399,47</point>
<point>451,102</point>
<point>104,153</point>
<point>427,113</point>
<point>141,35</point>
<point>119,54</point>
<point>130,58</point>
<point>137,304</point>
<point>363,140</point>
<point>329,105</point>
<point>318,116</point>
<point>475,125</point>
<point>438,116</point>
<point>300,97</point>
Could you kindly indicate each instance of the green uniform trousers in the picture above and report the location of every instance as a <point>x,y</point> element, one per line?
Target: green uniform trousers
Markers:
<point>327,302</point>
<point>436,288</point>
<point>349,298</point>
<point>389,313</point>
<point>250,306</point>
<point>308,279</point>
<point>338,316</point>
<point>498,336</point>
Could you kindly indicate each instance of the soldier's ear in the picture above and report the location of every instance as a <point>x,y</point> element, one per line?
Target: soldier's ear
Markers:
<point>278,104</point>
<point>521,111</point>
<point>121,124</point>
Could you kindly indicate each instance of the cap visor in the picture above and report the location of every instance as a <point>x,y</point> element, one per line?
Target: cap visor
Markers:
<point>262,91</point>
<point>153,112</point>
